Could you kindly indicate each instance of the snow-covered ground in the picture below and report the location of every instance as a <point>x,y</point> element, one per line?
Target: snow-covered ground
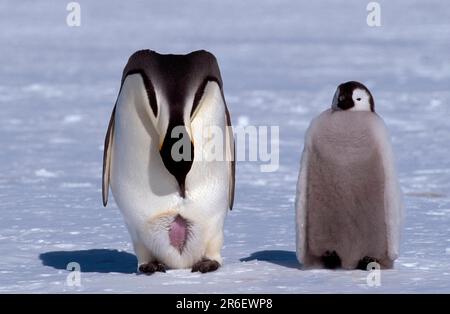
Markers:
<point>281,62</point>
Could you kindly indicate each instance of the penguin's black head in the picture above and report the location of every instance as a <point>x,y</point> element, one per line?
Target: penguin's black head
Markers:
<point>353,96</point>
<point>175,85</point>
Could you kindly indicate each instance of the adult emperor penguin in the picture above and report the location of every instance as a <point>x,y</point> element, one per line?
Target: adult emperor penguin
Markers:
<point>173,198</point>
<point>348,204</point>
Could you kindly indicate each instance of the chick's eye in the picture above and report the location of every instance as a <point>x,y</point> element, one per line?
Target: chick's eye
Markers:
<point>358,99</point>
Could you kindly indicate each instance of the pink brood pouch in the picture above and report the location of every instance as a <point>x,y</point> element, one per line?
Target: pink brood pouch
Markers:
<point>178,232</point>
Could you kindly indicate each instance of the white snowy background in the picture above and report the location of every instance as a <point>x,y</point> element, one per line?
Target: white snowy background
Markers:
<point>281,62</point>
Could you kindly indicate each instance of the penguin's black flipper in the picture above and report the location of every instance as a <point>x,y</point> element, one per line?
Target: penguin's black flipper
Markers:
<point>232,162</point>
<point>107,151</point>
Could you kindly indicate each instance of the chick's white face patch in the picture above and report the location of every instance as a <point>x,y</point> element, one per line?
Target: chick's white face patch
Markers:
<point>361,100</point>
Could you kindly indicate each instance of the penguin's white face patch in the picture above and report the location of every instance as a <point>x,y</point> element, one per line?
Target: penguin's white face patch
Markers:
<point>361,100</point>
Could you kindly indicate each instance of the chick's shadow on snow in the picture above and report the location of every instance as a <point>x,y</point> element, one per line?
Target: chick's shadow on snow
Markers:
<point>92,261</point>
<point>278,257</point>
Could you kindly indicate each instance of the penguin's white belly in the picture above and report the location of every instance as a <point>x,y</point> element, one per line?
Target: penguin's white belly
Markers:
<point>174,230</point>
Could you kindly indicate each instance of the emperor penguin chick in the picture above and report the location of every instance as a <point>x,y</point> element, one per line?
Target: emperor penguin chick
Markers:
<point>348,203</point>
<point>173,198</point>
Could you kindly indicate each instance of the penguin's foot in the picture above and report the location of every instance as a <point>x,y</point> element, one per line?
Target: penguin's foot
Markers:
<point>364,263</point>
<point>331,260</point>
<point>152,267</point>
<point>205,265</point>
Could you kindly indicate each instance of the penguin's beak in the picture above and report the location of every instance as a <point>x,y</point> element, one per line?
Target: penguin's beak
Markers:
<point>177,153</point>
<point>161,141</point>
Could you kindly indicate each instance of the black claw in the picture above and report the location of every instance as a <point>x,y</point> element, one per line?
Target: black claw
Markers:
<point>147,269</point>
<point>152,267</point>
<point>331,260</point>
<point>205,266</point>
<point>365,261</point>
<point>161,268</point>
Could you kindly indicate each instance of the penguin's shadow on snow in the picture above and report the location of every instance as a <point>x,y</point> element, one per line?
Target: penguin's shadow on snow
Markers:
<point>92,261</point>
<point>278,257</point>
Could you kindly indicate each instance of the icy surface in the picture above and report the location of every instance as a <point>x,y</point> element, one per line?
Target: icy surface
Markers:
<point>281,62</point>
